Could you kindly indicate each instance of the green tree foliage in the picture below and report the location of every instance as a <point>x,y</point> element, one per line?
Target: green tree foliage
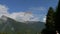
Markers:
<point>50,23</point>
<point>50,19</point>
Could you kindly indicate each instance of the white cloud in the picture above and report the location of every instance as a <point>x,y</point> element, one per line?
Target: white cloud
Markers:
<point>23,16</point>
<point>3,10</point>
<point>44,19</point>
<point>19,16</point>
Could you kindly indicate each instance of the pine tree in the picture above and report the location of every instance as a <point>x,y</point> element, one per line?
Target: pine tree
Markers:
<point>50,19</point>
<point>57,19</point>
<point>49,22</point>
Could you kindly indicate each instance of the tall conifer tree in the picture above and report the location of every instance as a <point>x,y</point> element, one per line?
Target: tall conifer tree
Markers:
<point>49,22</point>
<point>50,19</point>
<point>57,20</point>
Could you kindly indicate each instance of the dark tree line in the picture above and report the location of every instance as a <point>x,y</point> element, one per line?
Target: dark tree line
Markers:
<point>52,21</point>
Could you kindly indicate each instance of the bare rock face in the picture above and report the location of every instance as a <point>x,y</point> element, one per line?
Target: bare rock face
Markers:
<point>4,18</point>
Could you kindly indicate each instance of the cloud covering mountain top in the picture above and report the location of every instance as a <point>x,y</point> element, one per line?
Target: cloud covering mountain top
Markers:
<point>19,16</point>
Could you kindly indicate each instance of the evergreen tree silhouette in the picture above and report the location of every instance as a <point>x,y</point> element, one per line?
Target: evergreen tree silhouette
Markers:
<point>50,25</point>
<point>57,20</point>
<point>50,19</point>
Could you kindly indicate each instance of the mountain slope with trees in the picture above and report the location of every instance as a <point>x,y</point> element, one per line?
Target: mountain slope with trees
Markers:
<point>10,25</point>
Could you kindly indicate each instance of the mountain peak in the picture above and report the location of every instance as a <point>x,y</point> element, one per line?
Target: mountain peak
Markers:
<point>4,18</point>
